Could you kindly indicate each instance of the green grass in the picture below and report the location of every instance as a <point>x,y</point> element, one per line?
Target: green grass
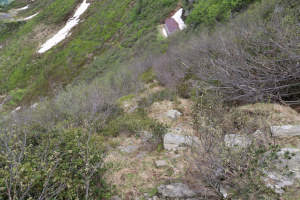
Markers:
<point>112,30</point>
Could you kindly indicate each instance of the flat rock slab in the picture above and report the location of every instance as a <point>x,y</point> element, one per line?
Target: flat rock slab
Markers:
<point>173,114</point>
<point>285,131</point>
<point>287,170</point>
<point>176,190</point>
<point>173,141</point>
<point>129,149</point>
<point>161,163</point>
<point>233,140</point>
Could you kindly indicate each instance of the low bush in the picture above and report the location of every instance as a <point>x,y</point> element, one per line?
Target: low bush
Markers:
<point>53,151</point>
<point>165,94</point>
<point>215,165</point>
<point>208,12</point>
<point>55,164</point>
<point>253,58</point>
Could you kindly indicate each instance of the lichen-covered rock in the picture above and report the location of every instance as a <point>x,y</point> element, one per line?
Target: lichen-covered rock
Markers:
<point>176,190</point>
<point>285,131</point>
<point>287,170</point>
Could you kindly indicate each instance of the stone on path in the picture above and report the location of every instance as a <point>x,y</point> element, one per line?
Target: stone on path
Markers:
<point>176,190</point>
<point>285,131</point>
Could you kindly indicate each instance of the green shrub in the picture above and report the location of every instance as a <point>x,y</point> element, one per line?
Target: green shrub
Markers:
<point>208,12</point>
<point>148,76</point>
<point>165,94</point>
<point>59,164</point>
<point>129,124</point>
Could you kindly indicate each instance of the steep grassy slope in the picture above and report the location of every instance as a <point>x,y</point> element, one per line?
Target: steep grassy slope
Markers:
<point>109,28</point>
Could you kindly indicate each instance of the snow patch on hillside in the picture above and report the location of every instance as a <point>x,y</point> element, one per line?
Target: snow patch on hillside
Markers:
<point>24,8</point>
<point>64,32</point>
<point>28,18</point>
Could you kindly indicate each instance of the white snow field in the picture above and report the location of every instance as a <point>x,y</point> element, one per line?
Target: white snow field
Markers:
<point>64,32</point>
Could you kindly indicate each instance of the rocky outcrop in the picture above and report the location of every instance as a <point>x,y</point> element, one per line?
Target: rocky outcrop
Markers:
<point>285,131</point>
<point>173,141</point>
<point>176,191</point>
<point>286,171</point>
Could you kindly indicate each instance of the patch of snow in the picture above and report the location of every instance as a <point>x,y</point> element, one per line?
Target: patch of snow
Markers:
<point>165,32</point>
<point>28,18</point>
<point>177,17</point>
<point>64,32</point>
<point>24,8</point>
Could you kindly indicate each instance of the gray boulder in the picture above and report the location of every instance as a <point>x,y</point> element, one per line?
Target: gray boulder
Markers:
<point>173,141</point>
<point>233,140</point>
<point>285,131</point>
<point>173,114</point>
<point>176,190</point>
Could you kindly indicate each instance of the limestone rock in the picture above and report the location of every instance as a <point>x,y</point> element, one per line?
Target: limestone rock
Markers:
<point>145,136</point>
<point>129,149</point>
<point>173,114</point>
<point>287,170</point>
<point>176,190</point>
<point>224,190</point>
<point>257,133</point>
<point>285,131</point>
<point>160,163</point>
<point>233,140</point>
<point>173,141</point>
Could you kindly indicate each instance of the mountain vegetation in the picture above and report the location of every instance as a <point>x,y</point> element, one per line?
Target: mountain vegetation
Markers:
<point>75,121</point>
<point>4,2</point>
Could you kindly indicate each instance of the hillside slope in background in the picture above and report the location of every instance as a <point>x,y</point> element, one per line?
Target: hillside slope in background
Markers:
<point>108,30</point>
